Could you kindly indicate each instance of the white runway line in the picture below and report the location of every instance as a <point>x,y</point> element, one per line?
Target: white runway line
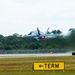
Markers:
<point>34,55</point>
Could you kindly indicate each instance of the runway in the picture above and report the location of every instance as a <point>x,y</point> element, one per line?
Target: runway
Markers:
<point>34,55</point>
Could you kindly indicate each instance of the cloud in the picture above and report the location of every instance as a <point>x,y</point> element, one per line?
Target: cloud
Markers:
<point>23,16</point>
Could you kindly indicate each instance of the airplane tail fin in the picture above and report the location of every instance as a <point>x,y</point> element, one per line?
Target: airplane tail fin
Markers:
<point>38,31</point>
<point>47,31</point>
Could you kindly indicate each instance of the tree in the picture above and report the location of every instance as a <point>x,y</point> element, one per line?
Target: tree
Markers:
<point>72,29</point>
<point>32,46</point>
<point>59,32</point>
<point>56,32</point>
<point>1,38</point>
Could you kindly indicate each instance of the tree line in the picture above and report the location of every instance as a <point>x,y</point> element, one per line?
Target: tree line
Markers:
<point>15,42</point>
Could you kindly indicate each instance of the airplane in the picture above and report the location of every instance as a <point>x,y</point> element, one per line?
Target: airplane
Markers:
<point>40,35</point>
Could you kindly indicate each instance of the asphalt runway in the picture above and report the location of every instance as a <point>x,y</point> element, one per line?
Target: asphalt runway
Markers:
<point>34,55</point>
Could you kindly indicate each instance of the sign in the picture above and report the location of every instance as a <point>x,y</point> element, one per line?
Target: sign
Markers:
<point>49,66</point>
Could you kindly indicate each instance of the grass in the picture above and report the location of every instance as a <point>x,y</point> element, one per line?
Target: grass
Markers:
<point>23,66</point>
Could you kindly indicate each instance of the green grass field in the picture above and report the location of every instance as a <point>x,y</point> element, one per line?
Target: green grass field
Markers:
<point>23,66</point>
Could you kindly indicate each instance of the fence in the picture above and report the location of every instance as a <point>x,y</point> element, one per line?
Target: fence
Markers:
<point>31,51</point>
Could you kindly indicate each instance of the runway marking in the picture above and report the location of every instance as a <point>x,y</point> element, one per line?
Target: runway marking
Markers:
<point>34,55</point>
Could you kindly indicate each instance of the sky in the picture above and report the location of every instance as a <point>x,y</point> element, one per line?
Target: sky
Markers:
<point>23,16</point>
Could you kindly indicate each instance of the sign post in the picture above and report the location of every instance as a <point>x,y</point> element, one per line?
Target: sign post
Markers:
<point>49,66</point>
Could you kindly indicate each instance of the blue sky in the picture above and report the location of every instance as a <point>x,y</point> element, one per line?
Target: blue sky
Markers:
<point>23,16</point>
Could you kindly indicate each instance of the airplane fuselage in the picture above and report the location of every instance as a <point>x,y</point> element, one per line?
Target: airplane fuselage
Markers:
<point>39,35</point>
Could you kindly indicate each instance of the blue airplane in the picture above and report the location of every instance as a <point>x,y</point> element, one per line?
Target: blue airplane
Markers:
<point>39,35</point>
